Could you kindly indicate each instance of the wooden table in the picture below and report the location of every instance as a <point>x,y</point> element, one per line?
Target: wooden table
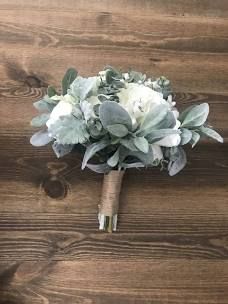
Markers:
<point>172,243</point>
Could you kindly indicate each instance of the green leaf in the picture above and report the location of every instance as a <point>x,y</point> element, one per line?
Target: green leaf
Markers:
<point>152,118</point>
<point>99,168</point>
<point>117,130</point>
<point>176,166</point>
<point>142,144</point>
<point>196,116</point>
<point>157,135</point>
<point>112,113</point>
<point>93,149</point>
<point>195,138</point>
<point>40,138</point>
<point>40,120</point>
<point>51,91</point>
<point>186,136</point>
<point>114,159</point>
<point>211,133</point>
<point>68,78</point>
<point>69,130</point>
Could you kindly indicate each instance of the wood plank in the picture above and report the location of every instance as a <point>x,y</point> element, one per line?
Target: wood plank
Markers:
<point>174,7</point>
<point>34,180</point>
<point>167,281</point>
<point>44,236</point>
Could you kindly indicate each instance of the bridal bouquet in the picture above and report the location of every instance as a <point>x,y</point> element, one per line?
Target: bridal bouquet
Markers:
<point>118,121</point>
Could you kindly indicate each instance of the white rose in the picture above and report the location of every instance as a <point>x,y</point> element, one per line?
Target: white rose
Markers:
<point>63,108</point>
<point>138,100</point>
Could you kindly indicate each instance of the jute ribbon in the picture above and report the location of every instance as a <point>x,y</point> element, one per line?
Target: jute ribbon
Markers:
<point>110,192</point>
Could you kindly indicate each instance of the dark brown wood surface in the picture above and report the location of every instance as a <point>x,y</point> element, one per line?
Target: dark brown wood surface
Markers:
<point>172,243</point>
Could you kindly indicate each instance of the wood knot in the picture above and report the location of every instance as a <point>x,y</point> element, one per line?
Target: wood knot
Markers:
<point>55,187</point>
<point>34,82</point>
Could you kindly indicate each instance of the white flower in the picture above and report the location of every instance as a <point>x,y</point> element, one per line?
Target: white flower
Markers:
<point>63,108</point>
<point>138,100</point>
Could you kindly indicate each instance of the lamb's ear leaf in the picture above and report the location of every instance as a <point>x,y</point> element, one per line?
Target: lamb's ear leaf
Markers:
<point>152,118</point>
<point>177,165</point>
<point>93,149</point>
<point>157,135</point>
<point>40,120</point>
<point>142,144</point>
<point>195,138</point>
<point>132,165</point>
<point>112,113</point>
<point>211,133</point>
<point>40,138</point>
<point>195,116</point>
<point>186,136</point>
<point>118,130</point>
<point>99,168</point>
<point>114,159</point>
<point>68,78</point>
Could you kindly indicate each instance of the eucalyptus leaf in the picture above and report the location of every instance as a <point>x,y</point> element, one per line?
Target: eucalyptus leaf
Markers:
<point>157,135</point>
<point>114,159</point>
<point>68,78</point>
<point>40,138</point>
<point>99,168</point>
<point>69,130</point>
<point>186,136</point>
<point>61,150</point>
<point>196,116</point>
<point>195,138</point>
<point>93,149</point>
<point>211,133</point>
<point>117,130</point>
<point>142,144</point>
<point>112,113</point>
<point>176,166</point>
<point>40,120</point>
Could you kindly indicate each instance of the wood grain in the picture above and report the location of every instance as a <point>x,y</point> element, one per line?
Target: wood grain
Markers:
<point>172,242</point>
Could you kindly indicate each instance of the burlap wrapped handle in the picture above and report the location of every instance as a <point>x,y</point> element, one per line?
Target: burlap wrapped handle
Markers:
<point>109,205</point>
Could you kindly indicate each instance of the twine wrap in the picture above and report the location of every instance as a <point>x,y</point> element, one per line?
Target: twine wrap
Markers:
<point>108,208</point>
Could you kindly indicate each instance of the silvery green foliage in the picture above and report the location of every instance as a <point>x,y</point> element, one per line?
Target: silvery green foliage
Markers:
<point>81,87</point>
<point>69,130</point>
<point>40,138</point>
<point>61,150</point>
<point>105,130</point>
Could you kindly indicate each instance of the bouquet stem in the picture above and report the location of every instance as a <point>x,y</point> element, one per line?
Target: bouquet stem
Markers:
<point>108,208</point>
